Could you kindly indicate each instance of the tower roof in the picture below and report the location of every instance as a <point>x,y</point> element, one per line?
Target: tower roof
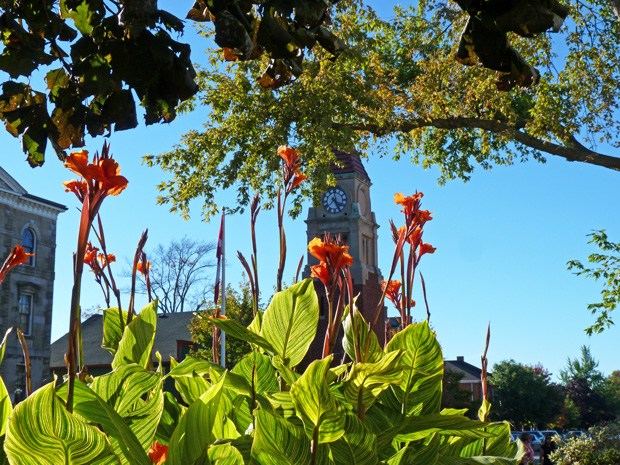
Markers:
<point>351,163</point>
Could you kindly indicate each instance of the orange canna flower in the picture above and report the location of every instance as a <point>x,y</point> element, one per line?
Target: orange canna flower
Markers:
<point>142,268</point>
<point>79,188</point>
<point>111,258</point>
<point>158,453</point>
<point>109,176</point>
<point>90,256</point>
<point>299,178</point>
<point>78,163</point>
<point>425,248</point>
<point>17,256</point>
<point>317,249</point>
<point>320,271</point>
<point>408,203</point>
<point>423,216</point>
<point>289,155</point>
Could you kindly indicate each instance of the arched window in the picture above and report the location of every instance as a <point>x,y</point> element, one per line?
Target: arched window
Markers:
<point>29,244</point>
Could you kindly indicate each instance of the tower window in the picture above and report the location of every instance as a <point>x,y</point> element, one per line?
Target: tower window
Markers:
<point>25,312</point>
<point>28,243</point>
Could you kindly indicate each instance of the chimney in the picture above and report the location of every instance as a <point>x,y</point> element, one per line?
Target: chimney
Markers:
<point>460,358</point>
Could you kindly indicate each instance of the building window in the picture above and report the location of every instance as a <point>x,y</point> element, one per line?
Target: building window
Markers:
<point>28,243</point>
<point>26,302</point>
<point>19,392</point>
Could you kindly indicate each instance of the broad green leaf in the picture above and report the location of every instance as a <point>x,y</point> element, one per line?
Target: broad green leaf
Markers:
<point>476,461</point>
<point>278,442</point>
<point>499,446</point>
<point>420,390</point>
<point>239,331</point>
<point>225,454</point>
<point>144,419</point>
<point>258,371</point>
<point>356,334</point>
<point>290,322</point>
<point>193,434</point>
<point>42,432</point>
<point>483,411</point>
<point>85,14</point>
<point>358,446</point>
<point>169,419</point>
<point>124,386</point>
<point>137,341</point>
<point>112,329</point>
<point>367,380</point>
<point>189,380</point>
<point>289,376</point>
<point>316,405</point>
<point>417,453</point>
<point>420,427</point>
<point>224,425</point>
<point>6,408</point>
<point>98,412</point>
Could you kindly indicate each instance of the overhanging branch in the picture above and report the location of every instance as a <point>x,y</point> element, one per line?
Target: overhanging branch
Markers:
<point>573,152</point>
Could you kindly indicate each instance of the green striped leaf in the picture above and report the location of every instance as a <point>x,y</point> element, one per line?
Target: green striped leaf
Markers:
<point>290,322</point>
<point>356,335</point>
<point>477,461</point>
<point>258,371</point>
<point>193,435</point>
<point>278,442</point>
<point>225,454</point>
<point>238,331</point>
<point>97,411</point>
<point>188,378</point>
<point>367,380</point>
<point>417,453</point>
<point>137,341</point>
<point>316,405</point>
<point>144,419</point>
<point>6,408</point>
<point>169,418</point>
<point>358,446</point>
<point>420,390</point>
<point>113,329</point>
<point>420,427</point>
<point>499,446</point>
<point>123,386</point>
<point>42,432</point>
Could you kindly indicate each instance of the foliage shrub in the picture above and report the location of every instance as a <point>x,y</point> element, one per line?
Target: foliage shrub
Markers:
<point>600,446</point>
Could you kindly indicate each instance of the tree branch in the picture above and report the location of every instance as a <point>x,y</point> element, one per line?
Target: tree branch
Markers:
<point>573,151</point>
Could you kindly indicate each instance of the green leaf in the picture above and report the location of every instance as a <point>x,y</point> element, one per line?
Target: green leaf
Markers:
<point>6,408</point>
<point>241,332</point>
<point>367,380</point>
<point>122,387</point>
<point>144,419</point>
<point>316,405</point>
<point>258,371</point>
<point>42,432</point>
<point>358,446</point>
<point>169,419</point>
<point>85,14</point>
<point>278,442</point>
<point>113,329</point>
<point>356,334</point>
<point>420,427</point>
<point>225,454</point>
<point>193,434</point>
<point>417,453</point>
<point>499,446</point>
<point>98,412</point>
<point>290,322</point>
<point>421,387</point>
<point>137,341</point>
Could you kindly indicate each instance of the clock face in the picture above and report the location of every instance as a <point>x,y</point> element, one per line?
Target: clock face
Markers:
<point>334,200</point>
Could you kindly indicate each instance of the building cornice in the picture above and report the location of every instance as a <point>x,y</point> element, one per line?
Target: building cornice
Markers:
<point>31,204</point>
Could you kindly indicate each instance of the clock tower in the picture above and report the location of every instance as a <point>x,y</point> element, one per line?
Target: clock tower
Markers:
<point>346,210</point>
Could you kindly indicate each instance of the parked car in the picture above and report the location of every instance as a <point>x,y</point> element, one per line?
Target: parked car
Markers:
<point>551,432</point>
<point>573,434</point>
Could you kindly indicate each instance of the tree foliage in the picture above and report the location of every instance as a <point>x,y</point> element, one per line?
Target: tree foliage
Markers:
<point>525,396</point>
<point>606,267</point>
<point>399,82</point>
<point>591,404</point>
<point>584,367</point>
<point>179,275</point>
<point>239,308</point>
<point>98,56</point>
<point>601,446</point>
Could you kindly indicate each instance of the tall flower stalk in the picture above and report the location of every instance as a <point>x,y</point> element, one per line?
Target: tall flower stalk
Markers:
<point>291,178</point>
<point>99,180</point>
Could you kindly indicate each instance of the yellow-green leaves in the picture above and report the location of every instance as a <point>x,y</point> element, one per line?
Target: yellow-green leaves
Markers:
<point>113,328</point>
<point>279,442</point>
<point>42,432</point>
<point>137,341</point>
<point>316,405</point>
<point>290,322</point>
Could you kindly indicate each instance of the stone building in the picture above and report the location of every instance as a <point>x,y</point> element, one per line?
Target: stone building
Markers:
<point>346,210</point>
<point>27,291</point>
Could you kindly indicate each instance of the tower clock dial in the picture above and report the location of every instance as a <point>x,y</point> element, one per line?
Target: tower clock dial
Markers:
<point>334,200</point>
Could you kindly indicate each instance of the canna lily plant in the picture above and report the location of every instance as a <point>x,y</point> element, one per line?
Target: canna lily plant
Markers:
<point>380,408</point>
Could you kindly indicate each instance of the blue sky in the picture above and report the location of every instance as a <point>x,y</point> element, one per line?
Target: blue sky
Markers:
<point>503,239</point>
